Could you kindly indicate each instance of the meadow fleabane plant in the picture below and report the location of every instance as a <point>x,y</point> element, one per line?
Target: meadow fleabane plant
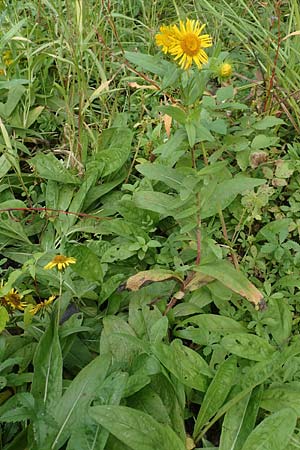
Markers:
<point>185,43</point>
<point>60,261</point>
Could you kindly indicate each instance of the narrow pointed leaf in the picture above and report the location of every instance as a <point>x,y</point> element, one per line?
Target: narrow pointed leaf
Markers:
<point>136,429</point>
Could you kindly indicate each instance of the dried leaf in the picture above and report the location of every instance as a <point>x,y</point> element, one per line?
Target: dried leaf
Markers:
<point>294,33</point>
<point>134,84</point>
<point>198,280</point>
<point>167,123</point>
<point>234,280</point>
<point>137,281</point>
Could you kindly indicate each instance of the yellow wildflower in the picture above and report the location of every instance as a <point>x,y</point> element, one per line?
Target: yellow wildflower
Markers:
<point>185,43</point>
<point>42,305</point>
<point>13,300</point>
<point>225,70</point>
<point>60,261</point>
<point>165,38</point>
<point>7,58</point>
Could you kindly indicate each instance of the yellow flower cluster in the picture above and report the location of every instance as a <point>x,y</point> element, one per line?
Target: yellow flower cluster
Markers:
<point>185,43</point>
<point>7,60</point>
<point>13,300</point>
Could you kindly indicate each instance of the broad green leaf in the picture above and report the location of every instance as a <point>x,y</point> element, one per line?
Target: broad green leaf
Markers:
<point>17,408</point>
<point>184,363</point>
<point>18,204</point>
<point>175,112</point>
<point>5,165</point>
<point>239,421</point>
<point>172,399</point>
<point>148,401</point>
<point>113,150</point>
<point>224,194</point>
<point>233,279</point>
<point>157,201</point>
<point>12,278</point>
<point>147,62</point>
<point>91,436</point>
<point>71,408</point>
<point>142,318</point>
<point>13,98</point>
<point>225,93</point>
<point>51,168</point>
<point>88,264</point>
<point>268,122</point>
<point>263,141</point>
<point>257,375</point>
<point>79,197</point>
<point>282,396</point>
<point>33,115</point>
<point>274,432</point>
<point>136,429</point>
<point>190,129</point>
<point>217,324</point>
<point>203,133</point>
<point>113,159</point>
<point>47,362</point>
<point>284,169</point>
<point>174,178</point>
<point>216,393</point>
<point>98,191</point>
<point>159,330</point>
<point>171,151</point>
<point>277,227</point>
<point>115,340</point>
<point>4,318</point>
<point>248,346</point>
<point>278,318</point>
<point>12,229</point>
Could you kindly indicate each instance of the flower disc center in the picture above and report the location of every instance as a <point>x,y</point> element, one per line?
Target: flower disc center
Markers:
<point>190,44</point>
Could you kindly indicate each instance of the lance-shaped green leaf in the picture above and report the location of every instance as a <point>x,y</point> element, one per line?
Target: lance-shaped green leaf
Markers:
<point>70,410</point>
<point>216,393</point>
<point>248,346</point>
<point>47,379</point>
<point>274,432</point>
<point>224,194</point>
<point>90,435</point>
<point>240,420</point>
<point>136,429</point>
<point>184,363</point>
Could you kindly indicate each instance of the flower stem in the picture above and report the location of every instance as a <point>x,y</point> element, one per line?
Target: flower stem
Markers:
<point>198,217</point>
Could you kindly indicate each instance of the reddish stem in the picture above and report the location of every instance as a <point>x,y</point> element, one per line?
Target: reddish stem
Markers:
<point>59,211</point>
<point>272,79</point>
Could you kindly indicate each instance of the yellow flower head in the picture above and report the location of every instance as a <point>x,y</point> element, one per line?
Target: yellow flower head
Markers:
<point>7,58</point>
<point>13,300</point>
<point>42,305</point>
<point>225,70</point>
<point>60,261</point>
<point>185,43</point>
<point>165,38</point>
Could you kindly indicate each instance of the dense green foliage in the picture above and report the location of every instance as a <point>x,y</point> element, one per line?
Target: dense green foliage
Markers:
<point>177,193</point>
